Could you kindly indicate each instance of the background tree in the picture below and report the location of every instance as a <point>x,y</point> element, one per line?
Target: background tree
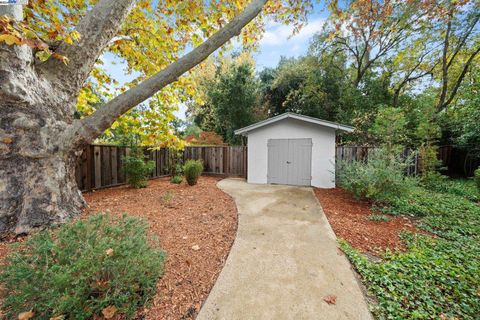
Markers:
<point>47,55</point>
<point>233,98</point>
<point>390,130</point>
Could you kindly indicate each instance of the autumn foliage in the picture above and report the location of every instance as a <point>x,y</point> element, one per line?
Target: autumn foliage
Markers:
<point>206,138</point>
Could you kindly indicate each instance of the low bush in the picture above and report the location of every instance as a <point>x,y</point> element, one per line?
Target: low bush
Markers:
<point>176,179</point>
<point>380,178</point>
<point>81,269</point>
<point>192,170</point>
<point>136,168</point>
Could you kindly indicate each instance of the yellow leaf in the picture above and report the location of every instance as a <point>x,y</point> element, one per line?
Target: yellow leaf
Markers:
<point>7,140</point>
<point>109,252</point>
<point>26,315</point>
<point>109,312</point>
<point>10,39</point>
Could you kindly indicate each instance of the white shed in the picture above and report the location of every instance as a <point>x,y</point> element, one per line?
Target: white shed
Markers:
<point>292,149</point>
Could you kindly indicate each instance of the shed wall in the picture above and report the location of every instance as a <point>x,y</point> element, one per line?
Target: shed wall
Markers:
<point>323,150</point>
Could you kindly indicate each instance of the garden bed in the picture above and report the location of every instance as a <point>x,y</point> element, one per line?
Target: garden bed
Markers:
<point>349,219</point>
<point>196,227</point>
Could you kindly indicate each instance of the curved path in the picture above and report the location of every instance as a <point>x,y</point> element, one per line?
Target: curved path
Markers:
<point>284,261</point>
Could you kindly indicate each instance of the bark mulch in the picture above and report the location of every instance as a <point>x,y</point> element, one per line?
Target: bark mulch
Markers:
<point>349,219</point>
<point>196,226</point>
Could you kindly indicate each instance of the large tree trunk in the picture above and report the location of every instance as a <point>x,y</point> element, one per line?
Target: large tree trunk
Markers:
<point>37,192</point>
<point>37,177</point>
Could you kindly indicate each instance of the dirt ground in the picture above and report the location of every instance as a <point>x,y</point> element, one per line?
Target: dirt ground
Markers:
<point>196,227</point>
<point>349,219</point>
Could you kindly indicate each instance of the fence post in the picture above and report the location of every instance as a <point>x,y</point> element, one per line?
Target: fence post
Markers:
<point>225,160</point>
<point>89,168</point>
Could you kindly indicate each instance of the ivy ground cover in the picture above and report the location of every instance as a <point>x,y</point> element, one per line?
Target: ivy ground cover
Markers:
<point>437,276</point>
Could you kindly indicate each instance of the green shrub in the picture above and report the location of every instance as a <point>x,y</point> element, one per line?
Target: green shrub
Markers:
<point>176,179</point>
<point>380,178</point>
<point>192,170</point>
<point>477,178</point>
<point>136,168</point>
<point>80,269</point>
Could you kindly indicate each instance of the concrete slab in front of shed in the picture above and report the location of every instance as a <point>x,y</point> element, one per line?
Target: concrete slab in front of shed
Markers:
<point>284,261</point>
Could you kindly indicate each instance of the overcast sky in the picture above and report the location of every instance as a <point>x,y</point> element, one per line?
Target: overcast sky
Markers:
<point>276,42</point>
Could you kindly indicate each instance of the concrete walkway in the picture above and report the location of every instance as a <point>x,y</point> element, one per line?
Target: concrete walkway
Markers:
<point>284,261</point>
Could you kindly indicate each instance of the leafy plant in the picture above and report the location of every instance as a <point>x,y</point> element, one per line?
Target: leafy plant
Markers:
<point>390,129</point>
<point>380,178</point>
<point>176,179</point>
<point>175,162</point>
<point>136,168</point>
<point>378,218</point>
<point>79,269</point>
<point>193,169</point>
<point>461,187</point>
<point>167,197</point>
<point>437,277</point>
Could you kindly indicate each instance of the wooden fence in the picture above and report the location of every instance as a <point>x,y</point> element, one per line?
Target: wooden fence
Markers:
<point>357,153</point>
<point>100,166</point>
<point>454,161</point>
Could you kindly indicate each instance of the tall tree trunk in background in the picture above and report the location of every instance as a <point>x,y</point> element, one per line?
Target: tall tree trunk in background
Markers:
<point>39,139</point>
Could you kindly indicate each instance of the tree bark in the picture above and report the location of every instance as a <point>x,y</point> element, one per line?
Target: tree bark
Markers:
<point>39,139</point>
<point>37,177</point>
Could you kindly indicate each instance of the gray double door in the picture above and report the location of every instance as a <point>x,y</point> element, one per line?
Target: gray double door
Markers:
<point>290,161</point>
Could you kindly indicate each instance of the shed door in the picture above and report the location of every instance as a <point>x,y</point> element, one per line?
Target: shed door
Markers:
<point>290,161</point>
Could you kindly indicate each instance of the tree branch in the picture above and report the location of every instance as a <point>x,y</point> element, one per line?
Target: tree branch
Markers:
<point>463,40</point>
<point>446,44</point>
<point>97,28</point>
<point>87,129</point>
<point>460,79</point>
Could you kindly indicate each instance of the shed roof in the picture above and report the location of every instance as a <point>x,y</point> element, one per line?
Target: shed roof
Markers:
<point>291,115</point>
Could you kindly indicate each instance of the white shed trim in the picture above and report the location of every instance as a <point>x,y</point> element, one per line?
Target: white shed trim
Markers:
<point>244,131</point>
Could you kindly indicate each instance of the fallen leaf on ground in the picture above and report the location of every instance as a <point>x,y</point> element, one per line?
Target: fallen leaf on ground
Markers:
<point>109,312</point>
<point>330,299</point>
<point>7,140</point>
<point>109,252</point>
<point>26,315</point>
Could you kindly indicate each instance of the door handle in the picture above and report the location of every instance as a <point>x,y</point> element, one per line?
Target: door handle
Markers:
<point>288,162</point>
